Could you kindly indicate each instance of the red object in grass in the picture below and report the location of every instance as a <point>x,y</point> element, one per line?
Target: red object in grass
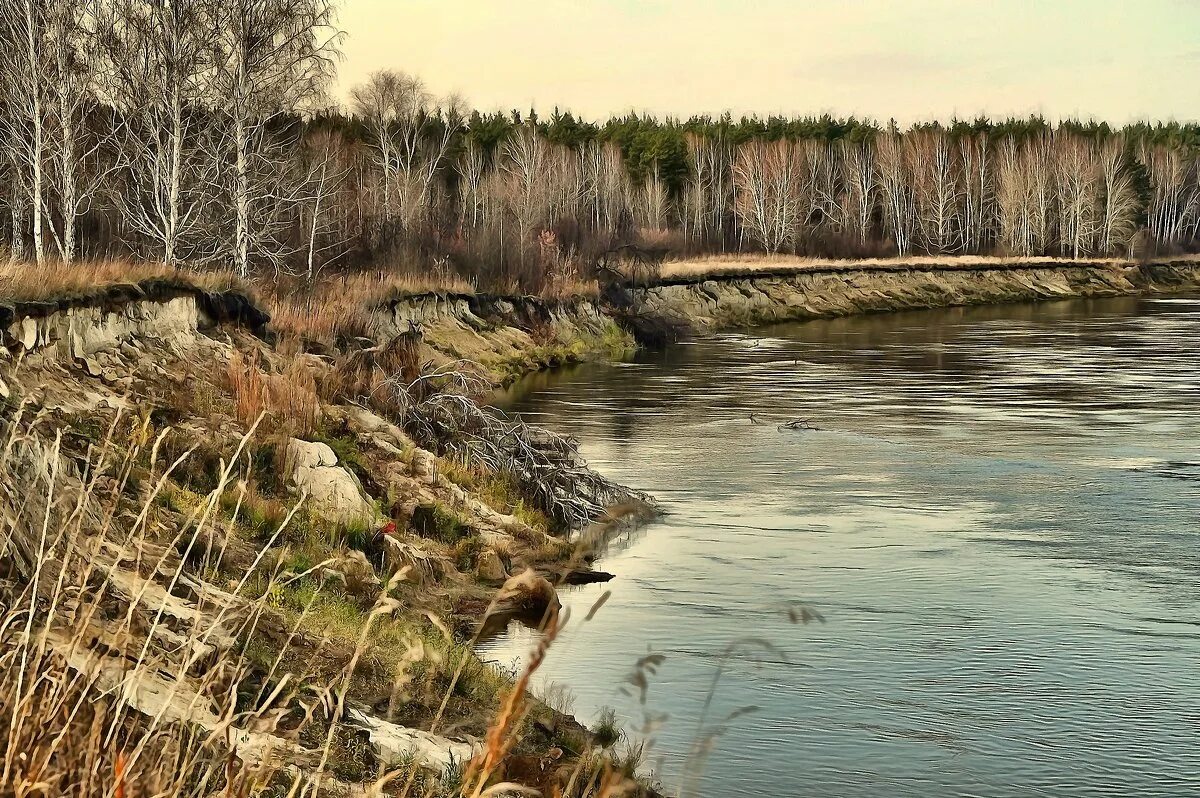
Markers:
<point>388,529</point>
<point>119,775</point>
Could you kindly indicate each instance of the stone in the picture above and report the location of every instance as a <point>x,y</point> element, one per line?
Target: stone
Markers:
<point>333,492</point>
<point>490,568</point>
<point>27,335</point>
<point>423,566</point>
<point>400,745</point>
<point>424,466</point>
<point>92,367</point>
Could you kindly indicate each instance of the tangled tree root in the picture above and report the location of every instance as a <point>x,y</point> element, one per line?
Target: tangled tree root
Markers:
<point>438,410</point>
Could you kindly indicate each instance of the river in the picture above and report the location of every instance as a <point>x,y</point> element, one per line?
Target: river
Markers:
<point>993,532</point>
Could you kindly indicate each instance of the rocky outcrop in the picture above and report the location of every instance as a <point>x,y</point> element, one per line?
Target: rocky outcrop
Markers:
<point>512,335</point>
<point>80,333</point>
<point>332,492</point>
<point>79,327</point>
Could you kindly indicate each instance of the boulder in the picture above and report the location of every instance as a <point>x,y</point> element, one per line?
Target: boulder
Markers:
<point>333,492</point>
<point>490,568</point>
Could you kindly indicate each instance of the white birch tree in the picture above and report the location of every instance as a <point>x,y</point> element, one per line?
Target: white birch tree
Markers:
<point>269,57</point>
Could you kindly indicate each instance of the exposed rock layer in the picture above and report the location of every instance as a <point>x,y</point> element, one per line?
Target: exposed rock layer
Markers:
<point>767,297</point>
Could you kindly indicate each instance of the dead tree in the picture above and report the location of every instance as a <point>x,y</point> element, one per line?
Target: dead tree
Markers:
<point>438,411</point>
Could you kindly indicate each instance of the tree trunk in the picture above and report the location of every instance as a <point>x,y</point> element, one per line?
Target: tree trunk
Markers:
<point>17,246</point>
<point>69,188</point>
<point>38,132</point>
<point>242,196</point>
<point>170,239</point>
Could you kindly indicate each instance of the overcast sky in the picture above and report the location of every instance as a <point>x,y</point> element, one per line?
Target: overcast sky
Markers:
<point>910,59</point>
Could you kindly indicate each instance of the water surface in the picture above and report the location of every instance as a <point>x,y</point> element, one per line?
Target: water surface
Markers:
<point>998,517</point>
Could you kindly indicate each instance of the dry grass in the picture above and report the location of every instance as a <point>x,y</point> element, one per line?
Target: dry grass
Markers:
<point>103,692</point>
<point>112,684</point>
<point>344,307</point>
<point>722,265</point>
<point>22,281</point>
<point>287,401</point>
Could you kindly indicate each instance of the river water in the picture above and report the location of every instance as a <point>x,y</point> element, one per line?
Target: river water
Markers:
<point>997,517</point>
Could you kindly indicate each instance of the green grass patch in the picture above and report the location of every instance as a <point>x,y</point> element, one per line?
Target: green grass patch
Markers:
<point>439,522</point>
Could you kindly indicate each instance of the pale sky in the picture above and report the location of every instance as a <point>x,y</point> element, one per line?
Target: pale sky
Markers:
<point>1117,60</point>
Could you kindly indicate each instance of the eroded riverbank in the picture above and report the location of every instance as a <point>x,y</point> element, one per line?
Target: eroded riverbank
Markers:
<point>512,336</point>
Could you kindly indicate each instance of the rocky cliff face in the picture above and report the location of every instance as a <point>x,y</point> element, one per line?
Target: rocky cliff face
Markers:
<point>514,335</point>
<point>731,301</point>
<point>508,336</point>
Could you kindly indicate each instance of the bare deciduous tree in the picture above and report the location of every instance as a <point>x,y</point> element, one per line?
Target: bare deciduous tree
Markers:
<point>158,59</point>
<point>977,197</point>
<point>1118,214</point>
<point>858,196</point>
<point>1175,191</point>
<point>388,103</point>
<point>269,57</point>
<point>934,176</point>
<point>324,158</point>
<point>772,194</point>
<point>895,190</point>
<point>24,67</point>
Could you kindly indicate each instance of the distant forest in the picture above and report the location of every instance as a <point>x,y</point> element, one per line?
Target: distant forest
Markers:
<point>200,133</point>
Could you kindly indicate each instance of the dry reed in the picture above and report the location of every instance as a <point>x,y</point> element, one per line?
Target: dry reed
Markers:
<point>288,400</point>
<point>23,281</point>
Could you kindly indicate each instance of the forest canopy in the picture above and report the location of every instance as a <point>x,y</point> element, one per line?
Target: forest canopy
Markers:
<point>202,134</point>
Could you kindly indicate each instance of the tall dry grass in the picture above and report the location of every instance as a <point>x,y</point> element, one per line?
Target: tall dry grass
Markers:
<point>22,281</point>
<point>345,306</point>
<point>111,685</point>
<point>287,400</point>
<point>719,265</point>
<point>124,672</point>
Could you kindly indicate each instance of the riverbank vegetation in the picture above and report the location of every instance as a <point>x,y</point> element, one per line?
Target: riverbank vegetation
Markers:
<point>227,565</point>
<point>203,135</point>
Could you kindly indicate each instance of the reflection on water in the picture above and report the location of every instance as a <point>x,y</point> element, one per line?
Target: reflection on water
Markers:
<point>998,517</point>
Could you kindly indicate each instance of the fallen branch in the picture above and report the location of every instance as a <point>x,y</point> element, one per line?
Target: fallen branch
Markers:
<point>798,424</point>
<point>437,409</point>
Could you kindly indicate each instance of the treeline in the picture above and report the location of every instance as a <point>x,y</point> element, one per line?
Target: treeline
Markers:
<point>199,131</point>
